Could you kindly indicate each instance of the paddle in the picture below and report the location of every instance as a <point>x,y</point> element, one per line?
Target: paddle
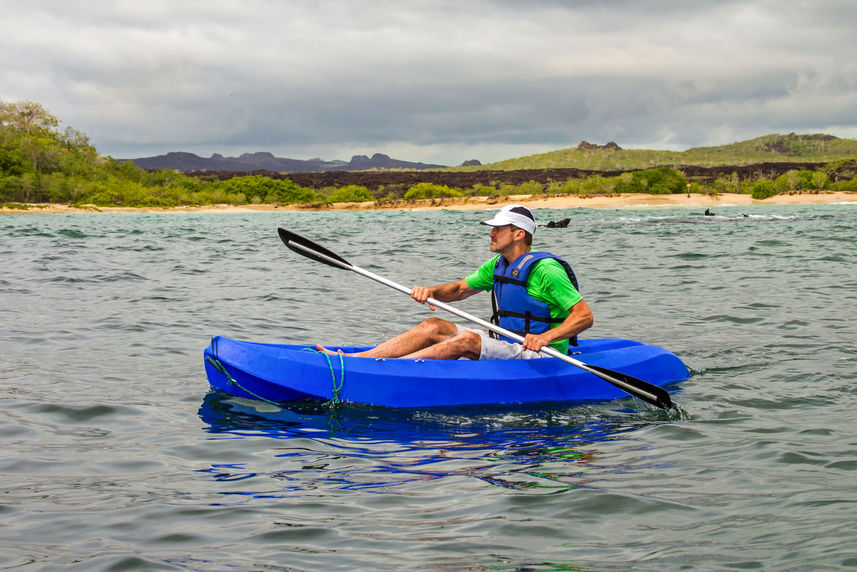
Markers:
<point>637,387</point>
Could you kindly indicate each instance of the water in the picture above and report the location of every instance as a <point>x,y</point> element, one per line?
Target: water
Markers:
<point>116,456</point>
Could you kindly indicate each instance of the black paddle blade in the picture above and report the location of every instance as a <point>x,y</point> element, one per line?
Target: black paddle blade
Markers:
<point>660,396</point>
<point>308,248</point>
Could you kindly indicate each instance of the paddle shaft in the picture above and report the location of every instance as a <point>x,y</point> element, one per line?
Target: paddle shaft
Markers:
<point>643,393</point>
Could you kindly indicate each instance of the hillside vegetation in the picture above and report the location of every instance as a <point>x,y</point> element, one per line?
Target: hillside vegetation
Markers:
<point>791,148</point>
<point>40,162</point>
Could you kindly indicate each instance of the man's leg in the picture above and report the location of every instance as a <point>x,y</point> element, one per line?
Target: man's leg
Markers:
<point>423,335</point>
<point>464,344</point>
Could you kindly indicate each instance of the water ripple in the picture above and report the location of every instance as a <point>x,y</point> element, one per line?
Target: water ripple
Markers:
<point>116,454</point>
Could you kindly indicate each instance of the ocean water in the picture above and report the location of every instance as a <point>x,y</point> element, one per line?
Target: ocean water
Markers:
<point>116,455</point>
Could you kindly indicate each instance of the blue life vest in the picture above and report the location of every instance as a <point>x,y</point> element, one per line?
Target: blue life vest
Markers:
<point>514,308</point>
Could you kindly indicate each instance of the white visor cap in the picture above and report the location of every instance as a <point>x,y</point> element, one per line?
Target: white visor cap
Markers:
<point>517,215</point>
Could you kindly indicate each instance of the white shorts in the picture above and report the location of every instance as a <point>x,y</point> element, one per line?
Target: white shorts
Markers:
<point>499,349</point>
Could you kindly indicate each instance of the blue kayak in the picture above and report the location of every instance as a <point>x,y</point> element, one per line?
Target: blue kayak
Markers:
<point>288,373</point>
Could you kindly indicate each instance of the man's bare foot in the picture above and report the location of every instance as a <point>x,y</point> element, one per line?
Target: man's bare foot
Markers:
<point>321,348</point>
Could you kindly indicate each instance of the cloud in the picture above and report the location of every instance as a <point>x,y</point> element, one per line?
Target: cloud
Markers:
<point>441,81</point>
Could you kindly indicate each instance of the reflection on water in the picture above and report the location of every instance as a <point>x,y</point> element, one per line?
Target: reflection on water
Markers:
<point>381,449</point>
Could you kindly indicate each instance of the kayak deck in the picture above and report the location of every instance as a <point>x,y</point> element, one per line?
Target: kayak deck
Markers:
<point>287,373</point>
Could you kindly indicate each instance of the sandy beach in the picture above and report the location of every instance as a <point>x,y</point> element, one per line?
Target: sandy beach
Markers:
<point>479,203</point>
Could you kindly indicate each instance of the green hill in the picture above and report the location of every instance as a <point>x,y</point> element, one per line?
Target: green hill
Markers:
<point>792,148</point>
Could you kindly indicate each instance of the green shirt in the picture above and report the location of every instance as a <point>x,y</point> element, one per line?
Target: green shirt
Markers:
<point>547,283</point>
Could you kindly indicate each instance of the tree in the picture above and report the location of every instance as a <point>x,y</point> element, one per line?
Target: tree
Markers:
<point>33,133</point>
<point>28,117</point>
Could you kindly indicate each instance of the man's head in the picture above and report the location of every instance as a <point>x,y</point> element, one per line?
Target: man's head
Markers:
<point>518,217</point>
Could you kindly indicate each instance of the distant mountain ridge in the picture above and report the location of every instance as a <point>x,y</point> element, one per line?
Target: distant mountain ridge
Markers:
<point>263,161</point>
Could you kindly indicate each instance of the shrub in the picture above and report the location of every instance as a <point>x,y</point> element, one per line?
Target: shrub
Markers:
<point>351,194</point>
<point>841,170</point>
<point>480,190</point>
<point>662,180</point>
<point>724,185</point>
<point>506,189</point>
<point>763,188</point>
<point>849,185</point>
<point>11,162</point>
<point>820,180</point>
<point>598,184</point>
<point>431,191</point>
<point>11,188</point>
<point>531,188</point>
<point>567,187</point>
<point>794,180</point>
<point>268,189</point>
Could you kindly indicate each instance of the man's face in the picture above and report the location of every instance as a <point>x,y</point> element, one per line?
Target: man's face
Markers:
<point>502,237</point>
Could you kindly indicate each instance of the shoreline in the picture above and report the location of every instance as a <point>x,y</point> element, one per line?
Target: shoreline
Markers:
<point>628,200</point>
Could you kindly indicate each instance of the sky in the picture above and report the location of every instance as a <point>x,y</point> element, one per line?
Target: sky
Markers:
<point>435,81</point>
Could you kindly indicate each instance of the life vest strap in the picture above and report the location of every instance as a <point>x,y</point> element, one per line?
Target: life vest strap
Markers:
<point>528,316</point>
<point>509,280</point>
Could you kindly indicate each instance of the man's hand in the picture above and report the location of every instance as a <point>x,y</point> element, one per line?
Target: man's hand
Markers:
<point>579,318</point>
<point>536,342</point>
<point>449,292</point>
<point>422,293</point>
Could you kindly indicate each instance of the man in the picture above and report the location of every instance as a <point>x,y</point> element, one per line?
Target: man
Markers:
<point>534,296</point>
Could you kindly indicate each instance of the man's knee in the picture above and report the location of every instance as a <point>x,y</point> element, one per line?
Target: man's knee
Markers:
<point>469,343</point>
<point>439,328</point>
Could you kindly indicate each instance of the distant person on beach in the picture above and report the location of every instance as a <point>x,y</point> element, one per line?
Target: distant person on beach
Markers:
<point>534,294</point>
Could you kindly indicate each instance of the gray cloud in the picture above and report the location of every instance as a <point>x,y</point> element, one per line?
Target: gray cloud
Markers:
<point>436,81</point>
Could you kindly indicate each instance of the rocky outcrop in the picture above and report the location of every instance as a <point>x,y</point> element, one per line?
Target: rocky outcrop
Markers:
<point>587,146</point>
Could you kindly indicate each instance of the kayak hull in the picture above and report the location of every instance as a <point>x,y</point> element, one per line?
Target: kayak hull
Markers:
<point>288,373</point>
